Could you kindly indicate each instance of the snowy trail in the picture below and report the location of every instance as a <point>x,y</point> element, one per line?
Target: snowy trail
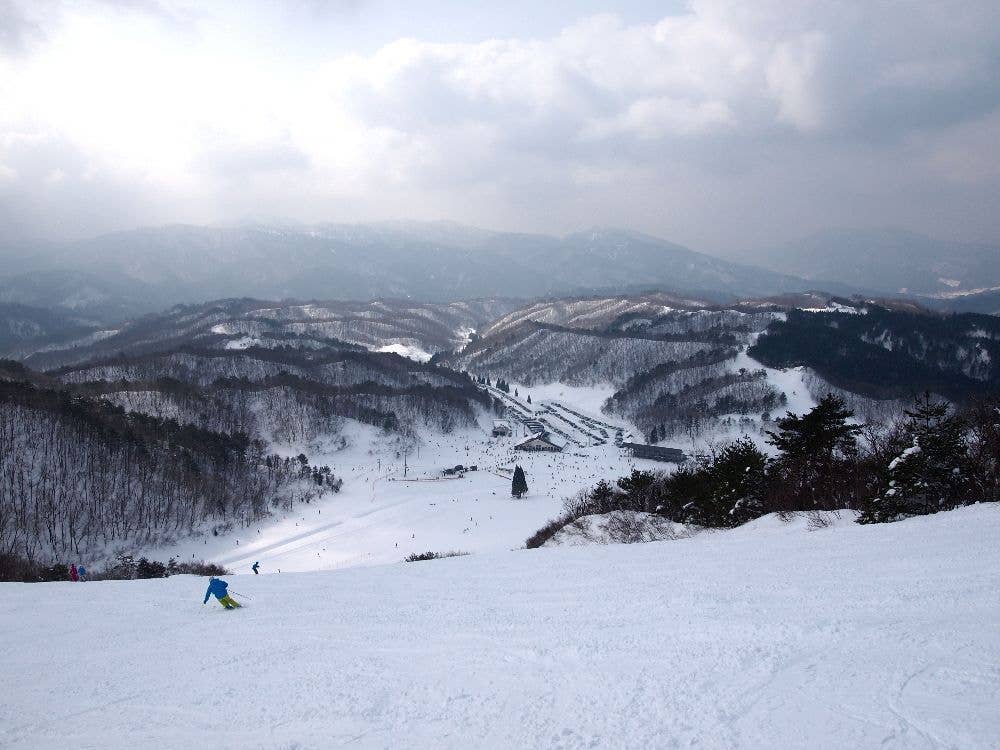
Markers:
<point>766,636</point>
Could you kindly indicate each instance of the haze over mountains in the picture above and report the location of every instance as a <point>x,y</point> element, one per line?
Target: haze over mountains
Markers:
<point>889,261</point>
<point>117,276</point>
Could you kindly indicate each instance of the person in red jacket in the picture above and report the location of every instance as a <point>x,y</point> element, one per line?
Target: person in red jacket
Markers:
<point>73,574</point>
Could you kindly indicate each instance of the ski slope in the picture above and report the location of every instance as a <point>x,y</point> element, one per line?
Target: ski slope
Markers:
<point>767,636</point>
<point>385,512</point>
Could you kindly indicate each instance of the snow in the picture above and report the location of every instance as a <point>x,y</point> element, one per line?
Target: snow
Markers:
<point>837,307</point>
<point>789,381</point>
<point>464,336</point>
<point>903,456</point>
<point>963,292</point>
<point>587,399</point>
<point>381,516</point>
<point>771,635</point>
<point>406,350</point>
<point>244,342</point>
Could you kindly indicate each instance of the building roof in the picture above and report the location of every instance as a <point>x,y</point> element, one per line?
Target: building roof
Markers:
<point>543,436</point>
<point>655,451</point>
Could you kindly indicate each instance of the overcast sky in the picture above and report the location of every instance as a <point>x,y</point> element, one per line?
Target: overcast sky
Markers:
<point>723,125</point>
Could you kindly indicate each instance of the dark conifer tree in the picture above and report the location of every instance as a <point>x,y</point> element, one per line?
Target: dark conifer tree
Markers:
<point>932,473</point>
<point>815,449</point>
<point>519,484</point>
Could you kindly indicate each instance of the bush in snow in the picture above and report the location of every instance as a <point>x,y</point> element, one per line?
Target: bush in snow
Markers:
<point>126,568</point>
<point>419,557</point>
<point>16,568</point>
<point>195,568</point>
<point>150,569</point>
<point>548,531</point>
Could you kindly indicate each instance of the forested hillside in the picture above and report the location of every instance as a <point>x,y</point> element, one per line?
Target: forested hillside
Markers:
<point>175,430</point>
<point>398,325</point>
<point>673,362</point>
<point>78,475</point>
<point>888,354</point>
<point>25,329</point>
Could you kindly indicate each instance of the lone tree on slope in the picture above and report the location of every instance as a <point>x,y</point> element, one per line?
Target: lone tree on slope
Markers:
<point>519,485</point>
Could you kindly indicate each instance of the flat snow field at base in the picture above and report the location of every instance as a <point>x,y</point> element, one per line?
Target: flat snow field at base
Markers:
<point>767,636</point>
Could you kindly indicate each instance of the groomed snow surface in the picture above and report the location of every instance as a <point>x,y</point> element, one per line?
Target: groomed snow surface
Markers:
<point>773,635</point>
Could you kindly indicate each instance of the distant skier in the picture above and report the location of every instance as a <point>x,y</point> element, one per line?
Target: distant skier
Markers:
<point>82,572</point>
<point>254,568</point>
<point>220,590</point>
<point>74,574</point>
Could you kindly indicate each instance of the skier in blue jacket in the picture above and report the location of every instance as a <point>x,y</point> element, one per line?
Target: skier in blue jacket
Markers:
<point>220,590</point>
<point>254,567</point>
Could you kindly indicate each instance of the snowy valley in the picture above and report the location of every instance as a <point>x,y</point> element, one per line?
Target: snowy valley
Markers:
<point>326,444</point>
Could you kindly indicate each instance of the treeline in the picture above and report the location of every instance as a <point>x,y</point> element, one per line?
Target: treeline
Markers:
<point>887,354</point>
<point>934,458</point>
<point>716,325</point>
<point>123,568</point>
<point>331,365</point>
<point>289,409</point>
<point>284,395</point>
<point>78,475</point>
<point>716,335</point>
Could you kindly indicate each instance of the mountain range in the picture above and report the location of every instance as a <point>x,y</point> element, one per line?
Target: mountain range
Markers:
<point>117,276</point>
<point>105,280</point>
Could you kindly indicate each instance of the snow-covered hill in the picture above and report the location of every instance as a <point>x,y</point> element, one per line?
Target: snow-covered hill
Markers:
<point>767,636</point>
<point>408,328</point>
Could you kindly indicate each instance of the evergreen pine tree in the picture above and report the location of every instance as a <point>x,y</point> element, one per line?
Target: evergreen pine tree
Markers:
<point>739,482</point>
<point>519,484</point>
<point>814,451</point>
<point>932,472</point>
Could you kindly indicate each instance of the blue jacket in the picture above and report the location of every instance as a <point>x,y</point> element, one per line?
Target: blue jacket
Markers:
<point>217,588</point>
<point>255,566</point>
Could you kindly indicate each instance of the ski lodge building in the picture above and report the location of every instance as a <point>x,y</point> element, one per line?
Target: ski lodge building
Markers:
<point>539,441</point>
<point>656,452</point>
<point>501,428</point>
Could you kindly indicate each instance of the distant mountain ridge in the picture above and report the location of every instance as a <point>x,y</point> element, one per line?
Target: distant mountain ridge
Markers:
<point>888,261</point>
<point>120,275</point>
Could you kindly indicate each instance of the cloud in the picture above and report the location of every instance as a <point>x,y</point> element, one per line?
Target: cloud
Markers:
<point>720,125</point>
<point>791,79</point>
<point>224,158</point>
<point>19,29</point>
